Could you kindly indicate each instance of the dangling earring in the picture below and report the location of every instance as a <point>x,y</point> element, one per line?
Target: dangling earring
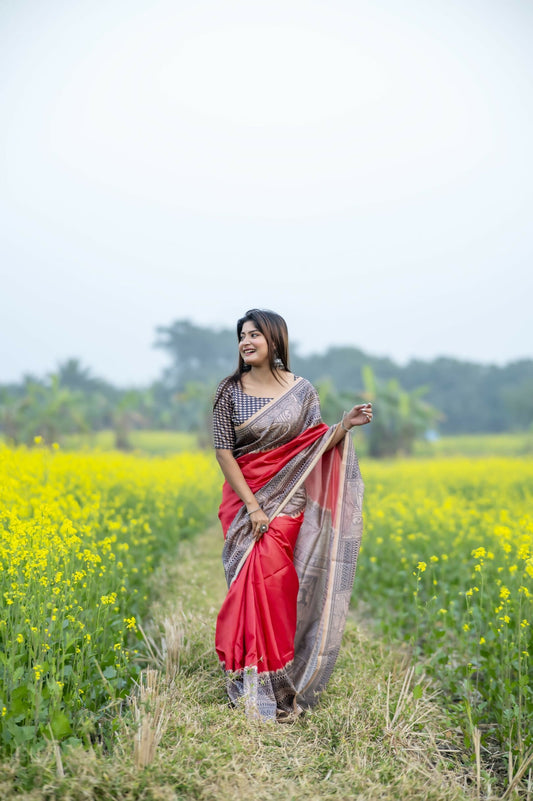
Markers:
<point>278,364</point>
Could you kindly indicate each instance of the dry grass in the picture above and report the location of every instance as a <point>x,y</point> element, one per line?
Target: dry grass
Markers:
<point>167,649</point>
<point>149,703</point>
<point>371,737</point>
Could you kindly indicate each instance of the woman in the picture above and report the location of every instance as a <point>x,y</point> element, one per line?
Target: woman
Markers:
<point>291,516</point>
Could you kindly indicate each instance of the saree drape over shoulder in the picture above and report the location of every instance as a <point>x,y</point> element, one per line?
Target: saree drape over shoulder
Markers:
<point>280,627</point>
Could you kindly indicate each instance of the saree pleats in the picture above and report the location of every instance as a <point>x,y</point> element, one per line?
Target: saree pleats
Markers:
<point>280,626</point>
<point>257,622</point>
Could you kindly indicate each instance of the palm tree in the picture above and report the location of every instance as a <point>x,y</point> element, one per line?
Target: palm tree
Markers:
<point>46,409</point>
<point>134,409</point>
<point>399,416</point>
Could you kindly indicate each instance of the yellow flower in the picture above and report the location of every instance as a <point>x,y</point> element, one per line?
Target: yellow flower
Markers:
<point>482,640</point>
<point>78,528</point>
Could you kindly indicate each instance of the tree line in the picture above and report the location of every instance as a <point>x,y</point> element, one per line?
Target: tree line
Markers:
<point>445,395</point>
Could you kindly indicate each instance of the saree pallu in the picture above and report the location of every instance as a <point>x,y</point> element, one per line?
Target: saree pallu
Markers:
<point>280,627</point>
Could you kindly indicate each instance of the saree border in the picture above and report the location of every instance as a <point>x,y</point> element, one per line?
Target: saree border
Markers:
<point>326,609</point>
<point>288,497</point>
<point>253,417</point>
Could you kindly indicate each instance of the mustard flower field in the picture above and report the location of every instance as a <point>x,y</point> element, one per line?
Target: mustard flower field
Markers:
<point>447,564</point>
<point>79,537</point>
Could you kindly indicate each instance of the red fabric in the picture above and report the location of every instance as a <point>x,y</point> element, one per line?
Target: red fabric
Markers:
<point>257,622</point>
<point>322,485</point>
<point>259,468</point>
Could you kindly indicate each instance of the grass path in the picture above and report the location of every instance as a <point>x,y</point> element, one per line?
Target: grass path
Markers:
<point>354,745</point>
<point>344,749</point>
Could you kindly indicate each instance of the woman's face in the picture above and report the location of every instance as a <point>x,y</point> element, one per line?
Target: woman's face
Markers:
<point>253,346</point>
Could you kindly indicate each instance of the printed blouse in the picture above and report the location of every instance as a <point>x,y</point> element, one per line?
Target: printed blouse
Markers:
<point>232,408</point>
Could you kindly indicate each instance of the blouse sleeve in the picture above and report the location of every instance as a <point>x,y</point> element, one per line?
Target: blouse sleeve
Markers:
<point>223,430</point>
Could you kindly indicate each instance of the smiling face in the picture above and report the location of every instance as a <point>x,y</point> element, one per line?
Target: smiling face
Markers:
<point>253,346</point>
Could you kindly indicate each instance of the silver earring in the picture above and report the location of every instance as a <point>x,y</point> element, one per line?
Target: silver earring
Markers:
<point>278,364</point>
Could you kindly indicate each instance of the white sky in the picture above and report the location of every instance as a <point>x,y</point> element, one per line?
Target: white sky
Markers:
<point>363,168</point>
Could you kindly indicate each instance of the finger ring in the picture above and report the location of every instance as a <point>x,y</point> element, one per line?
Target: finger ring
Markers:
<point>263,528</point>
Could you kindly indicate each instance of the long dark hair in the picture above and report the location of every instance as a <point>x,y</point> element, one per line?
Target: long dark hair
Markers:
<point>274,329</point>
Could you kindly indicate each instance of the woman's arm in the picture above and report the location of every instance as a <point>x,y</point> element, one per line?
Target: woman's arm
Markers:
<point>234,477</point>
<point>358,416</point>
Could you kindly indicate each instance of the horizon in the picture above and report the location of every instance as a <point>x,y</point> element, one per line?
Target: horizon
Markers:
<point>293,349</point>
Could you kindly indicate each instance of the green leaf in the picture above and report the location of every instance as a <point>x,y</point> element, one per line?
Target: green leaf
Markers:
<point>21,734</point>
<point>417,691</point>
<point>60,725</point>
<point>19,701</point>
<point>110,672</point>
<point>73,741</point>
<point>17,675</point>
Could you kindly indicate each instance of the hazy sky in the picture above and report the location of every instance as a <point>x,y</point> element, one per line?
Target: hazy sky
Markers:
<point>364,168</point>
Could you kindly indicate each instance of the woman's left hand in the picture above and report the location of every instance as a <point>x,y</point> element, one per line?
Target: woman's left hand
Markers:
<point>358,416</point>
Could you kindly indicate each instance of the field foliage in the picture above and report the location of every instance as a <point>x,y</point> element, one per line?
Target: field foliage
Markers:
<point>80,536</point>
<point>155,443</point>
<point>504,444</point>
<point>447,564</point>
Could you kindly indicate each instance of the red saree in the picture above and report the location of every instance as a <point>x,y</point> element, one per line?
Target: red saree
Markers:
<point>279,628</point>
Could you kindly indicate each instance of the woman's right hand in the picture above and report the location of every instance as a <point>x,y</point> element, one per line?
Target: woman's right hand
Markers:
<point>259,520</point>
